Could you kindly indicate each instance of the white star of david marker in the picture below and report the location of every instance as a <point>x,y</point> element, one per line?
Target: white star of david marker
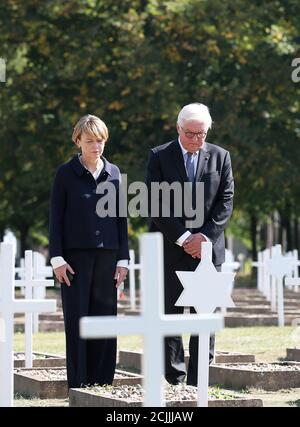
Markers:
<point>205,289</point>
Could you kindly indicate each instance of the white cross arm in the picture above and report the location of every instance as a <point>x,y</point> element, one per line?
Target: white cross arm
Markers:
<point>292,281</point>
<point>30,306</point>
<point>48,282</point>
<point>234,264</point>
<point>45,271</point>
<point>257,264</point>
<point>191,323</point>
<point>111,326</point>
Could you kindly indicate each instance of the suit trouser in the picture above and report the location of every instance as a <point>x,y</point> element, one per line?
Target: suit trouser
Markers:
<point>92,293</point>
<point>175,369</point>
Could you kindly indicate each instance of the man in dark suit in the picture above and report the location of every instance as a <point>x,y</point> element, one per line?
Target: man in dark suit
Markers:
<point>189,158</point>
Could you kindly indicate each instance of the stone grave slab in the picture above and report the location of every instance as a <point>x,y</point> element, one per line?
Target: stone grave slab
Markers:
<point>44,326</point>
<point>52,383</point>
<point>267,376</point>
<point>176,396</point>
<point>290,319</point>
<point>238,320</point>
<point>242,291</point>
<point>123,308</point>
<point>133,359</point>
<point>233,357</point>
<point>132,312</point>
<point>51,326</point>
<point>41,383</point>
<point>40,360</point>
<point>293,354</point>
<point>250,300</point>
<point>57,316</point>
<point>247,303</point>
<point>234,320</point>
<point>250,309</point>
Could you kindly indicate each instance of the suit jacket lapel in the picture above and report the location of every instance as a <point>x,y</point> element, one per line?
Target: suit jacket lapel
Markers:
<point>179,161</point>
<point>203,157</point>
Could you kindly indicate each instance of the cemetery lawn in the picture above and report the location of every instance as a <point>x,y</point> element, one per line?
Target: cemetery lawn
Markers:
<point>268,344</point>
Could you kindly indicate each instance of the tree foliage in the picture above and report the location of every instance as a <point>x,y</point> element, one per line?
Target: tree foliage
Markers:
<point>135,63</point>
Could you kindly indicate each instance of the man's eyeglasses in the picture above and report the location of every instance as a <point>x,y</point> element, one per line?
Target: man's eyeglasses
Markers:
<point>191,135</point>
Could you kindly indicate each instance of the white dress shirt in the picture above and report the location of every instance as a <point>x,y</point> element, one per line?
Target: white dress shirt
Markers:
<point>195,156</point>
<point>58,261</point>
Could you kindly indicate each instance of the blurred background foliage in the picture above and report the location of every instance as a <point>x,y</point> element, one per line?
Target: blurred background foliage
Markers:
<point>135,64</point>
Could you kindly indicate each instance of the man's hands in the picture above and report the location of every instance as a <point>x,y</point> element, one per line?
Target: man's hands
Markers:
<point>192,245</point>
<point>120,275</point>
<point>61,273</point>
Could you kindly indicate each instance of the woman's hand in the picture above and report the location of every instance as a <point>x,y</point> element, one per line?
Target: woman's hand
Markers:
<point>120,275</point>
<point>61,273</point>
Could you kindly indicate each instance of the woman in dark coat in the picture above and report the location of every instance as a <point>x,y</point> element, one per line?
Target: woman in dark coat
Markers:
<point>88,250</point>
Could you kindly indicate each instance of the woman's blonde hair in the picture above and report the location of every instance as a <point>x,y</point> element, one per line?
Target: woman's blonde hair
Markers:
<point>91,125</point>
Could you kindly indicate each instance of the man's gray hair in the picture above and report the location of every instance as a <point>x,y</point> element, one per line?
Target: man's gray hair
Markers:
<point>195,111</point>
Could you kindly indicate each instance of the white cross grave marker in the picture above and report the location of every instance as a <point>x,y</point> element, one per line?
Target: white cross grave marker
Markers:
<point>205,289</point>
<point>153,324</point>
<point>280,266</point>
<point>230,265</point>
<point>9,237</point>
<point>259,264</point>
<point>9,306</point>
<point>266,274</point>
<point>295,269</point>
<point>41,272</point>
<point>29,284</point>
<point>132,266</point>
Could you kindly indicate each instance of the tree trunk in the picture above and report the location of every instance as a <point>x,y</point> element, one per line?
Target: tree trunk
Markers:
<point>286,230</point>
<point>296,233</point>
<point>24,240</point>
<point>289,234</point>
<point>270,232</point>
<point>253,225</point>
<point>276,221</point>
<point>280,232</point>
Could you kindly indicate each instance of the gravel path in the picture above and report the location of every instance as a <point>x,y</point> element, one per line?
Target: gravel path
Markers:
<point>53,374</point>
<point>21,356</point>
<point>45,374</point>
<point>173,393</point>
<point>272,367</point>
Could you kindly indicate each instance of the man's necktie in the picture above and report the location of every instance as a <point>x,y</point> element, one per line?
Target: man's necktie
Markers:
<point>189,167</point>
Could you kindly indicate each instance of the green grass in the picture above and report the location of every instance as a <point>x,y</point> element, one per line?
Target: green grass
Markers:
<point>47,342</point>
<point>267,343</point>
<point>20,401</point>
